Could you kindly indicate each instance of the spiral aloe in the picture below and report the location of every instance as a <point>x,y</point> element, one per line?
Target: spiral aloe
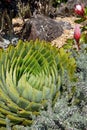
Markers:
<point>30,75</point>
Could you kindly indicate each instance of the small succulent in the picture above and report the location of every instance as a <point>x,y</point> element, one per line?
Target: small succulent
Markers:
<point>30,75</point>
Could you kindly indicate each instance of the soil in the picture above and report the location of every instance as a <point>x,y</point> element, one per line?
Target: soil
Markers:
<point>58,42</point>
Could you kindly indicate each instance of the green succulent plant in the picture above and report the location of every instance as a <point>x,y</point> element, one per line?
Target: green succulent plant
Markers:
<point>30,75</point>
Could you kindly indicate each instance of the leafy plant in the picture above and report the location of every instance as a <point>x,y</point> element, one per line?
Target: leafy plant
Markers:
<point>24,10</point>
<point>31,74</point>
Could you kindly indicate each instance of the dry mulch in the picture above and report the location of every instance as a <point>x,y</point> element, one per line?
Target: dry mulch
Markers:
<point>68,33</point>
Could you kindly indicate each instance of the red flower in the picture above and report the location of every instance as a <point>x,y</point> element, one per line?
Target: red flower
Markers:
<point>77,35</point>
<point>79,9</point>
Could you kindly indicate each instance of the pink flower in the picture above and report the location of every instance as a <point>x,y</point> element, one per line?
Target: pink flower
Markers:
<point>79,9</point>
<point>77,32</point>
<point>77,35</point>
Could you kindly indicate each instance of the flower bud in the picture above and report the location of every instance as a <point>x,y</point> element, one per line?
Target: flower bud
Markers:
<point>77,32</point>
<point>79,10</point>
<point>77,35</point>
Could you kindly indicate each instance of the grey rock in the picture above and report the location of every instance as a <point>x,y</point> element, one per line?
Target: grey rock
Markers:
<point>14,41</point>
<point>65,25</point>
<point>41,27</point>
<point>4,42</point>
<point>63,10</point>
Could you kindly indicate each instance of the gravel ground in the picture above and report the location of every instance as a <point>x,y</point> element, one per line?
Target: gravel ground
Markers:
<point>68,33</point>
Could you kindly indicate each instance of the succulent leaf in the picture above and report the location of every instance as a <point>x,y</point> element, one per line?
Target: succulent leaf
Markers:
<point>30,75</point>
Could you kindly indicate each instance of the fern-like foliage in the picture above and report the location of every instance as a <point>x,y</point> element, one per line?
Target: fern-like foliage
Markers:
<point>81,60</point>
<point>81,63</point>
<point>30,75</point>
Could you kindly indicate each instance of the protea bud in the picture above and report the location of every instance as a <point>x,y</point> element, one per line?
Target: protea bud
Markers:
<point>77,35</point>
<point>79,9</point>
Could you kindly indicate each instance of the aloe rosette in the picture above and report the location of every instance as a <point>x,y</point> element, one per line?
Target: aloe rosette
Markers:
<point>30,75</point>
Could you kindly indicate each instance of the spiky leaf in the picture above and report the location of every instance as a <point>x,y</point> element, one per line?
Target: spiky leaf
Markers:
<point>30,75</point>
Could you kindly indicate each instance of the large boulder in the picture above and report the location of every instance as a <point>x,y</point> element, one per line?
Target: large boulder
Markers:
<point>4,42</point>
<point>41,27</point>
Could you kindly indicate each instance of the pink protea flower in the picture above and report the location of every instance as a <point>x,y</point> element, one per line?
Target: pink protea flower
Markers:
<point>79,9</point>
<point>77,35</point>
